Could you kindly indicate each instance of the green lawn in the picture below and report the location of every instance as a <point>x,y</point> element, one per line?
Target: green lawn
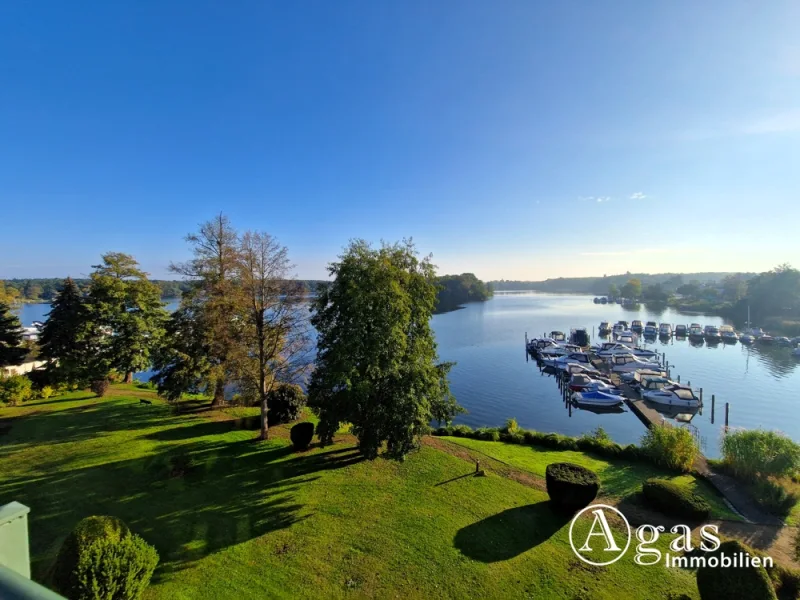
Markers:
<point>617,478</point>
<point>256,520</point>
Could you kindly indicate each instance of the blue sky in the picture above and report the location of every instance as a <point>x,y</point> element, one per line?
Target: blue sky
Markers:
<point>517,140</point>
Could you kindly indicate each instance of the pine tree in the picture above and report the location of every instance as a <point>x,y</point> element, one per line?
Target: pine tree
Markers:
<point>11,350</point>
<point>64,341</point>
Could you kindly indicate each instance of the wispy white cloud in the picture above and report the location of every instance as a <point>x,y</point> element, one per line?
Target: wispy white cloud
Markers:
<point>604,253</point>
<point>638,196</point>
<point>604,199</point>
<point>785,122</point>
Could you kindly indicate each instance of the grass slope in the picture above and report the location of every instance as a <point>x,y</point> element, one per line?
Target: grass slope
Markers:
<point>256,520</point>
<point>617,478</point>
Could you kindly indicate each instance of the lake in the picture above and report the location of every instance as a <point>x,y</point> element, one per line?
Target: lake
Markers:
<point>493,380</point>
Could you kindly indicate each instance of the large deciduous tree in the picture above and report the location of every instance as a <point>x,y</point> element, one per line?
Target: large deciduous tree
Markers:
<point>11,350</point>
<point>377,365</point>
<point>273,341</point>
<point>632,289</point>
<point>65,341</point>
<point>126,314</point>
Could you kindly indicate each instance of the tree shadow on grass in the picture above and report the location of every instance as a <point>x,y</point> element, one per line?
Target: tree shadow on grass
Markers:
<point>234,492</point>
<point>509,533</point>
<point>189,432</point>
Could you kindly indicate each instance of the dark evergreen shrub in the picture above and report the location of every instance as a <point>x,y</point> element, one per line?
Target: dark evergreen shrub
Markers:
<point>285,403</point>
<point>676,500</point>
<point>724,583</point>
<point>301,435</point>
<point>100,387</point>
<point>570,486</point>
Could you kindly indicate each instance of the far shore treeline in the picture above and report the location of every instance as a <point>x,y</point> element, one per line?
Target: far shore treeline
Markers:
<point>454,290</point>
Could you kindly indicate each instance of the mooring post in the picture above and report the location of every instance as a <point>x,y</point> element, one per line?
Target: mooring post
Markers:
<point>713,399</point>
<point>727,411</point>
<point>701,394</point>
<point>679,378</point>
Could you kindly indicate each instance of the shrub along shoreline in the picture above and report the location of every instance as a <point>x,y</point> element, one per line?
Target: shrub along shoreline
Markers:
<point>669,448</point>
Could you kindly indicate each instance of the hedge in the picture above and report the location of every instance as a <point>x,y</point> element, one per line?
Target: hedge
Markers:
<point>676,500</point>
<point>554,441</point>
<point>724,583</point>
<point>570,486</point>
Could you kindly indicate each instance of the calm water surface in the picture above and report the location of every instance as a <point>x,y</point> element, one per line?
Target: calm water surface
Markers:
<point>493,380</point>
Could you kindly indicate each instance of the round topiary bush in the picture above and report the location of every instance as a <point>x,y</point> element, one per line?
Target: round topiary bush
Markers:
<point>676,500</point>
<point>77,543</point>
<point>285,402</point>
<point>571,487</point>
<point>723,583</point>
<point>301,435</point>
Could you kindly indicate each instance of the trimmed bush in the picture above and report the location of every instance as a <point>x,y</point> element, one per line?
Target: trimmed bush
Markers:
<point>670,447</point>
<point>570,486</point>
<point>724,583</point>
<point>77,543</point>
<point>672,499</point>
<point>115,570</point>
<point>461,431</point>
<point>301,435</point>
<point>100,387</point>
<point>285,402</point>
<point>46,392</point>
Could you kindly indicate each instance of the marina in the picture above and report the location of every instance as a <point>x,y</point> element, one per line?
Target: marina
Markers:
<point>493,382</point>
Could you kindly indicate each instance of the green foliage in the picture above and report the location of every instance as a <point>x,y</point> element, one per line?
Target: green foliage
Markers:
<point>15,389</point>
<point>723,583</point>
<point>115,569</point>
<point>301,435</point>
<point>126,315</point>
<point>511,426</point>
<point>751,452</point>
<point>100,387</point>
<point>632,289</point>
<point>771,494</point>
<point>11,350</point>
<point>570,486</point>
<point>455,290</point>
<point>775,292</point>
<point>673,499</point>
<point>67,341</point>
<point>77,543</point>
<point>670,447</point>
<point>613,290</point>
<point>377,366</point>
<point>46,392</point>
<point>286,402</point>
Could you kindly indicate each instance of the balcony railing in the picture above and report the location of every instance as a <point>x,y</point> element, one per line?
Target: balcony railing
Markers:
<point>15,564</point>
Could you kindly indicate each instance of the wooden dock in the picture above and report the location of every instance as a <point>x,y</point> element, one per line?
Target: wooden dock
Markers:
<point>647,415</point>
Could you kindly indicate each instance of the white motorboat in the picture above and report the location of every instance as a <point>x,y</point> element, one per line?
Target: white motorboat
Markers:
<point>623,363</point>
<point>747,339</point>
<point>597,398</point>
<point>757,332</point>
<point>610,349</point>
<point>634,378</point>
<point>796,352</point>
<point>627,338</point>
<point>728,334</point>
<point>576,369</point>
<point>696,332</point>
<point>650,331</point>
<point>711,334</point>
<point>580,358</point>
<point>673,395</point>
<point>604,328</point>
<point>665,330</point>
<point>580,382</point>
<point>558,337</point>
<point>617,328</point>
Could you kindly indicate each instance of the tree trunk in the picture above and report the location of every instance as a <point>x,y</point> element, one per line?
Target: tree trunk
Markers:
<point>264,423</point>
<point>219,394</point>
<point>129,377</point>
